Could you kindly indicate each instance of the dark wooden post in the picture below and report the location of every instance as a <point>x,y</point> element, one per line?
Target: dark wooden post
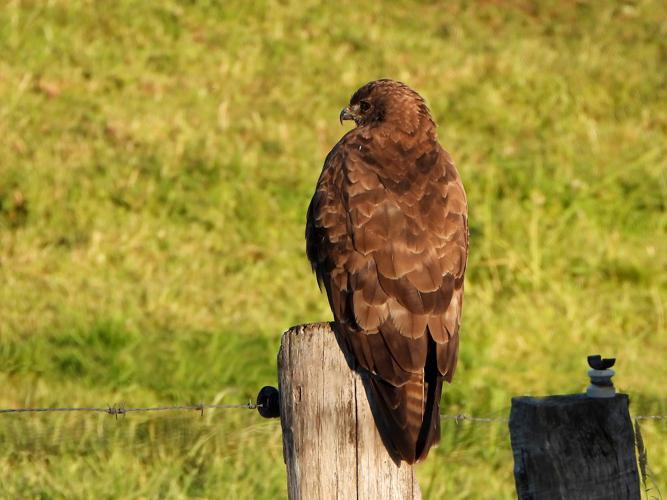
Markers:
<point>573,447</point>
<point>331,445</point>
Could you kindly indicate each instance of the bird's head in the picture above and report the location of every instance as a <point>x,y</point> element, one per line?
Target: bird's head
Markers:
<point>387,101</point>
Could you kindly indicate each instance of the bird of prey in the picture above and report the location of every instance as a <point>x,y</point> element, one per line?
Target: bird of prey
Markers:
<point>387,237</point>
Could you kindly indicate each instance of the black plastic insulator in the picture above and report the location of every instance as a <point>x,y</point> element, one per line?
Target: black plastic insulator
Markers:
<point>268,402</point>
<point>597,362</point>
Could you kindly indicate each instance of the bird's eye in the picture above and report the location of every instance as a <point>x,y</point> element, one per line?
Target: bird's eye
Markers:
<point>364,106</point>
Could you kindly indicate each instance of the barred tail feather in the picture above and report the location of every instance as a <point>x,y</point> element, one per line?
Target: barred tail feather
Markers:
<point>407,416</point>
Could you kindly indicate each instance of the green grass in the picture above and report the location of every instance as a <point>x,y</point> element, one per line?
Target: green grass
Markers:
<point>156,163</point>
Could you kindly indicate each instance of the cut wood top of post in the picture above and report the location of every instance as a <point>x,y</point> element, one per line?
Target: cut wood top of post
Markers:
<point>331,445</point>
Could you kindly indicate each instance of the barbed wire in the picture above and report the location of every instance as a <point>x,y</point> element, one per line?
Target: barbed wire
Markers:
<point>121,410</point>
<point>651,417</point>
<point>462,417</point>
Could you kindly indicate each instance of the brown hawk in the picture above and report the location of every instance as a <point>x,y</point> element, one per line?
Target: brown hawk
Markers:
<point>387,236</point>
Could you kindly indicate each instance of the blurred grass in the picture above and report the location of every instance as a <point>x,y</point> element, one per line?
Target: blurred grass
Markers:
<point>155,167</point>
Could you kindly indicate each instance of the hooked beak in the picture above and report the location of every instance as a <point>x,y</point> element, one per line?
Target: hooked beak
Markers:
<point>345,114</point>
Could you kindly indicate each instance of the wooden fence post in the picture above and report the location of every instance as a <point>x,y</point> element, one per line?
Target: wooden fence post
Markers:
<point>573,447</point>
<point>331,446</point>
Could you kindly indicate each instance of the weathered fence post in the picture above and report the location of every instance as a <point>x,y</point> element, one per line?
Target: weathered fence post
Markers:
<point>331,445</point>
<point>575,447</point>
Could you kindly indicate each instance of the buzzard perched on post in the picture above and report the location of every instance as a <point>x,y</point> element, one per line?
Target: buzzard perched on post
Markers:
<point>387,236</point>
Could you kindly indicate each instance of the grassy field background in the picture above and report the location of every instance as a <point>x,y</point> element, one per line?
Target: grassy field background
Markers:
<point>156,163</point>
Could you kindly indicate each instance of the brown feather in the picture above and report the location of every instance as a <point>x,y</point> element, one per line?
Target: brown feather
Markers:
<point>368,316</point>
<point>387,236</point>
<point>410,354</point>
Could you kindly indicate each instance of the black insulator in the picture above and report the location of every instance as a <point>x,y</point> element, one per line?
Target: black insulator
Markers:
<point>597,362</point>
<point>268,402</point>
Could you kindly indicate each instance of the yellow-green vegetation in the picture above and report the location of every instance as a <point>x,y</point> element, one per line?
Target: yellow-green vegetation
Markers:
<point>156,162</point>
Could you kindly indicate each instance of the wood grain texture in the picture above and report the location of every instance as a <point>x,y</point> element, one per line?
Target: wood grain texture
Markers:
<point>573,447</point>
<point>331,445</point>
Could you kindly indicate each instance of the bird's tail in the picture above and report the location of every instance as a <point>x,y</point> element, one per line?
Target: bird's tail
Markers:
<point>408,416</point>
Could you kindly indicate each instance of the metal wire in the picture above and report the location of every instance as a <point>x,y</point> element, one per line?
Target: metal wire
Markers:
<point>121,410</point>
<point>461,417</point>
